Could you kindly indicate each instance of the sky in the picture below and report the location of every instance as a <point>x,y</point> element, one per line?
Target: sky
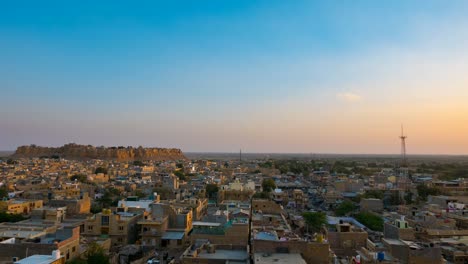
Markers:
<point>219,76</point>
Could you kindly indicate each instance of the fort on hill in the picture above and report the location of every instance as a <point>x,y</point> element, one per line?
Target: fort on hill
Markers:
<point>75,151</point>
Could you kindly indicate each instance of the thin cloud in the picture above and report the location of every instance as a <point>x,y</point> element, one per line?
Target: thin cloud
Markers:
<point>349,97</point>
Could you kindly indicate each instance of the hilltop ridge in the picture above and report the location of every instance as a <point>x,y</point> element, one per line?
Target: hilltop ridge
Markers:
<point>75,151</point>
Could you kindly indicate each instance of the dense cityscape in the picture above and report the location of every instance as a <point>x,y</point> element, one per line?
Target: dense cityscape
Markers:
<point>246,209</point>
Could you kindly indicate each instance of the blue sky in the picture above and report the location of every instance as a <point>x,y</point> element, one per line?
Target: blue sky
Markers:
<point>265,76</point>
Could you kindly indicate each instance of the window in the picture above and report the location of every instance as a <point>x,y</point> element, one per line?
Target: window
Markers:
<point>90,227</point>
<point>105,220</point>
<point>73,249</point>
<point>121,228</point>
<point>120,240</point>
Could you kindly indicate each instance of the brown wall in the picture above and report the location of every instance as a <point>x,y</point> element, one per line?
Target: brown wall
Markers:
<point>318,253</point>
<point>346,243</point>
<point>266,206</point>
<point>238,234</point>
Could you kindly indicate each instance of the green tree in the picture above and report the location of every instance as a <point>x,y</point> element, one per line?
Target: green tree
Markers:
<point>105,201</point>
<point>138,163</point>
<point>370,220</point>
<point>395,199</point>
<point>110,197</point>
<point>95,208</point>
<point>294,166</point>
<point>95,254</point>
<point>362,171</point>
<point>140,194</point>
<point>424,191</point>
<point>163,192</point>
<point>100,170</point>
<point>261,195</point>
<point>211,190</point>
<point>79,177</point>
<point>6,217</point>
<point>267,164</point>
<point>180,174</point>
<point>315,220</point>
<point>11,162</point>
<point>3,193</point>
<point>341,167</point>
<point>345,208</point>
<point>409,197</point>
<point>268,185</point>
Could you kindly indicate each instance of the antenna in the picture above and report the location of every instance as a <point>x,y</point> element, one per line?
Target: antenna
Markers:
<point>403,181</point>
<point>403,147</point>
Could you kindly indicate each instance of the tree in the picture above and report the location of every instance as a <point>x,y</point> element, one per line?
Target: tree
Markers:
<point>138,163</point>
<point>180,174</point>
<point>211,190</point>
<point>108,199</point>
<point>95,208</point>
<point>370,220</point>
<point>3,192</point>
<point>267,164</point>
<point>261,195</point>
<point>395,199</point>
<point>6,217</point>
<point>100,170</point>
<point>140,194</point>
<point>424,191</point>
<point>113,191</point>
<point>11,162</point>
<point>268,185</point>
<point>105,201</point>
<point>163,192</point>
<point>294,166</point>
<point>79,177</point>
<point>315,220</point>
<point>96,254</point>
<point>409,197</point>
<point>345,208</point>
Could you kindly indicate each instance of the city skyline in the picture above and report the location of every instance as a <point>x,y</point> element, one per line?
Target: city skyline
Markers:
<point>263,76</point>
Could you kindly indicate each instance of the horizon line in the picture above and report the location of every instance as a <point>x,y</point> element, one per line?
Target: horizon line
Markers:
<point>310,153</point>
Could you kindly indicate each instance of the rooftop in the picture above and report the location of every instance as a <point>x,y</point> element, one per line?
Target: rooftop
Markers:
<point>199,223</point>
<point>37,259</point>
<point>262,258</point>
<point>225,254</point>
<point>263,235</point>
<point>173,235</point>
<point>21,233</point>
